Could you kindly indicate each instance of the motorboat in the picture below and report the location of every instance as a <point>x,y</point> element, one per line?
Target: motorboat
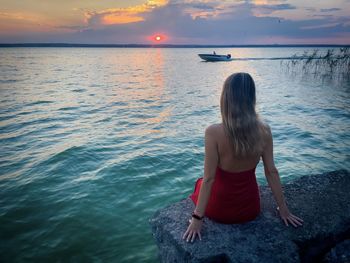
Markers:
<point>215,57</point>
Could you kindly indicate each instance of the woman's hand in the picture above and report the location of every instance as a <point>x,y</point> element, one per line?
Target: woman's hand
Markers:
<point>193,229</point>
<point>289,217</point>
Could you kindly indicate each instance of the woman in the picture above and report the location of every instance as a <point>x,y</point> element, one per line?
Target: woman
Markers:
<point>228,192</point>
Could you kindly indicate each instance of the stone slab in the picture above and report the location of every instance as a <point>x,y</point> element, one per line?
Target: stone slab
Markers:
<point>322,201</point>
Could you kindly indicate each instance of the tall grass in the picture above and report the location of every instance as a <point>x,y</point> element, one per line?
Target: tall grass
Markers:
<point>332,63</point>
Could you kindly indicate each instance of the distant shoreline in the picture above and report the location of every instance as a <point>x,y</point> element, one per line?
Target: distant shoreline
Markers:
<point>68,45</point>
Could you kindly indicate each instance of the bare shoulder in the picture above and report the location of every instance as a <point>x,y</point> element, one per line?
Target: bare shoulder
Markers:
<point>266,129</point>
<point>214,129</point>
<point>266,135</point>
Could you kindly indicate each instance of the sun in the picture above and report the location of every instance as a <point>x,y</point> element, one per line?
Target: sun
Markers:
<point>158,38</point>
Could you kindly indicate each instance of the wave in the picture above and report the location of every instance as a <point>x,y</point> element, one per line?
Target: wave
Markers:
<point>68,108</point>
<point>58,157</point>
<point>39,102</point>
<point>8,80</point>
<point>79,90</point>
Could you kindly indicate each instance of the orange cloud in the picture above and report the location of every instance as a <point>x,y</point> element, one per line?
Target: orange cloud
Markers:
<point>11,22</point>
<point>18,16</point>
<point>113,19</point>
<point>113,16</point>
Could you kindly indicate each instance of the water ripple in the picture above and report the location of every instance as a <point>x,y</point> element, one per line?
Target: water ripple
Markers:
<point>88,156</point>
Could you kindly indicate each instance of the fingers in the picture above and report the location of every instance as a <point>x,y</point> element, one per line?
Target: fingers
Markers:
<point>299,223</point>
<point>293,220</point>
<point>191,235</point>
<point>184,236</point>
<point>298,218</point>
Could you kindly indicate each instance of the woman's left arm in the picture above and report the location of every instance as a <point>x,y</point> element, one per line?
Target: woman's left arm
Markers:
<point>210,165</point>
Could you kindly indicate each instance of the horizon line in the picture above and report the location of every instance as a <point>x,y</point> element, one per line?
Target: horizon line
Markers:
<point>58,44</point>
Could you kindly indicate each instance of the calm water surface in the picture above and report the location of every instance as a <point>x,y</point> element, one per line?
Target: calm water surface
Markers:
<point>94,141</point>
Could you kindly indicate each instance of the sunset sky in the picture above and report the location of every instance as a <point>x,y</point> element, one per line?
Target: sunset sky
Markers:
<point>175,21</point>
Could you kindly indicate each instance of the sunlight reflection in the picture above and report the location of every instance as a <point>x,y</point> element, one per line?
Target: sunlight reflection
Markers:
<point>142,94</point>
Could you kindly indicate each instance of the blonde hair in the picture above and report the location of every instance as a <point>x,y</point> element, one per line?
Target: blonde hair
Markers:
<point>241,122</point>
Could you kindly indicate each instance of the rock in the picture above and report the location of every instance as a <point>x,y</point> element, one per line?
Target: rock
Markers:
<point>322,201</point>
<point>339,254</point>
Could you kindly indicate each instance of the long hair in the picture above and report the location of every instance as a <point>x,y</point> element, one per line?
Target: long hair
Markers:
<point>241,122</point>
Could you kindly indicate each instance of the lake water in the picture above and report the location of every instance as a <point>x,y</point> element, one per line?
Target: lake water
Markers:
<point>95,140</point>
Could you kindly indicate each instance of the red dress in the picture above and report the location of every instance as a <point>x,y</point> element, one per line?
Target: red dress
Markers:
<point>234,197</point>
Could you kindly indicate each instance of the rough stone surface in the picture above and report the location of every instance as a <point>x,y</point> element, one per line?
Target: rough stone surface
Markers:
<point>322,201</point>
<point>339,254</point>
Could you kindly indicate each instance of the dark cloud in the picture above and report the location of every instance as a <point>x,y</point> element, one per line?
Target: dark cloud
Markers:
<point>276,7</point>
<point>312,9</point>
<point>329,9</point>
<point>269,9</point>
<point>202,6</point>
<point>323,15</point>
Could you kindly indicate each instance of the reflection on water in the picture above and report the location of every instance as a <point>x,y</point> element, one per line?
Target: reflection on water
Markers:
<point>94,141</point>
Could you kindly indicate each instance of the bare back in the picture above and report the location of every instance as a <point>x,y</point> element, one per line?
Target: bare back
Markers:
<point>226,159</point>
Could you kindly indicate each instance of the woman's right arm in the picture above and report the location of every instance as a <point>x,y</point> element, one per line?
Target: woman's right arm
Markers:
<point>274,182</point>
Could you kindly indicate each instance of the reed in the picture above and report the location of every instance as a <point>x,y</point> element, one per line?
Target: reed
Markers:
<point>332,63</point>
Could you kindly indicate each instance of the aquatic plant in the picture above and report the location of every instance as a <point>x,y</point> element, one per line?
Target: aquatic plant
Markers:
<point>330,63</point>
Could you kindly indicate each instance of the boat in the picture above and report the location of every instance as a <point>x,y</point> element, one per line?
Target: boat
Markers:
<point>215,57</point>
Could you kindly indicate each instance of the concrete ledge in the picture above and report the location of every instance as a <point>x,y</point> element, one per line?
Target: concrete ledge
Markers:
<point>322,201</point>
